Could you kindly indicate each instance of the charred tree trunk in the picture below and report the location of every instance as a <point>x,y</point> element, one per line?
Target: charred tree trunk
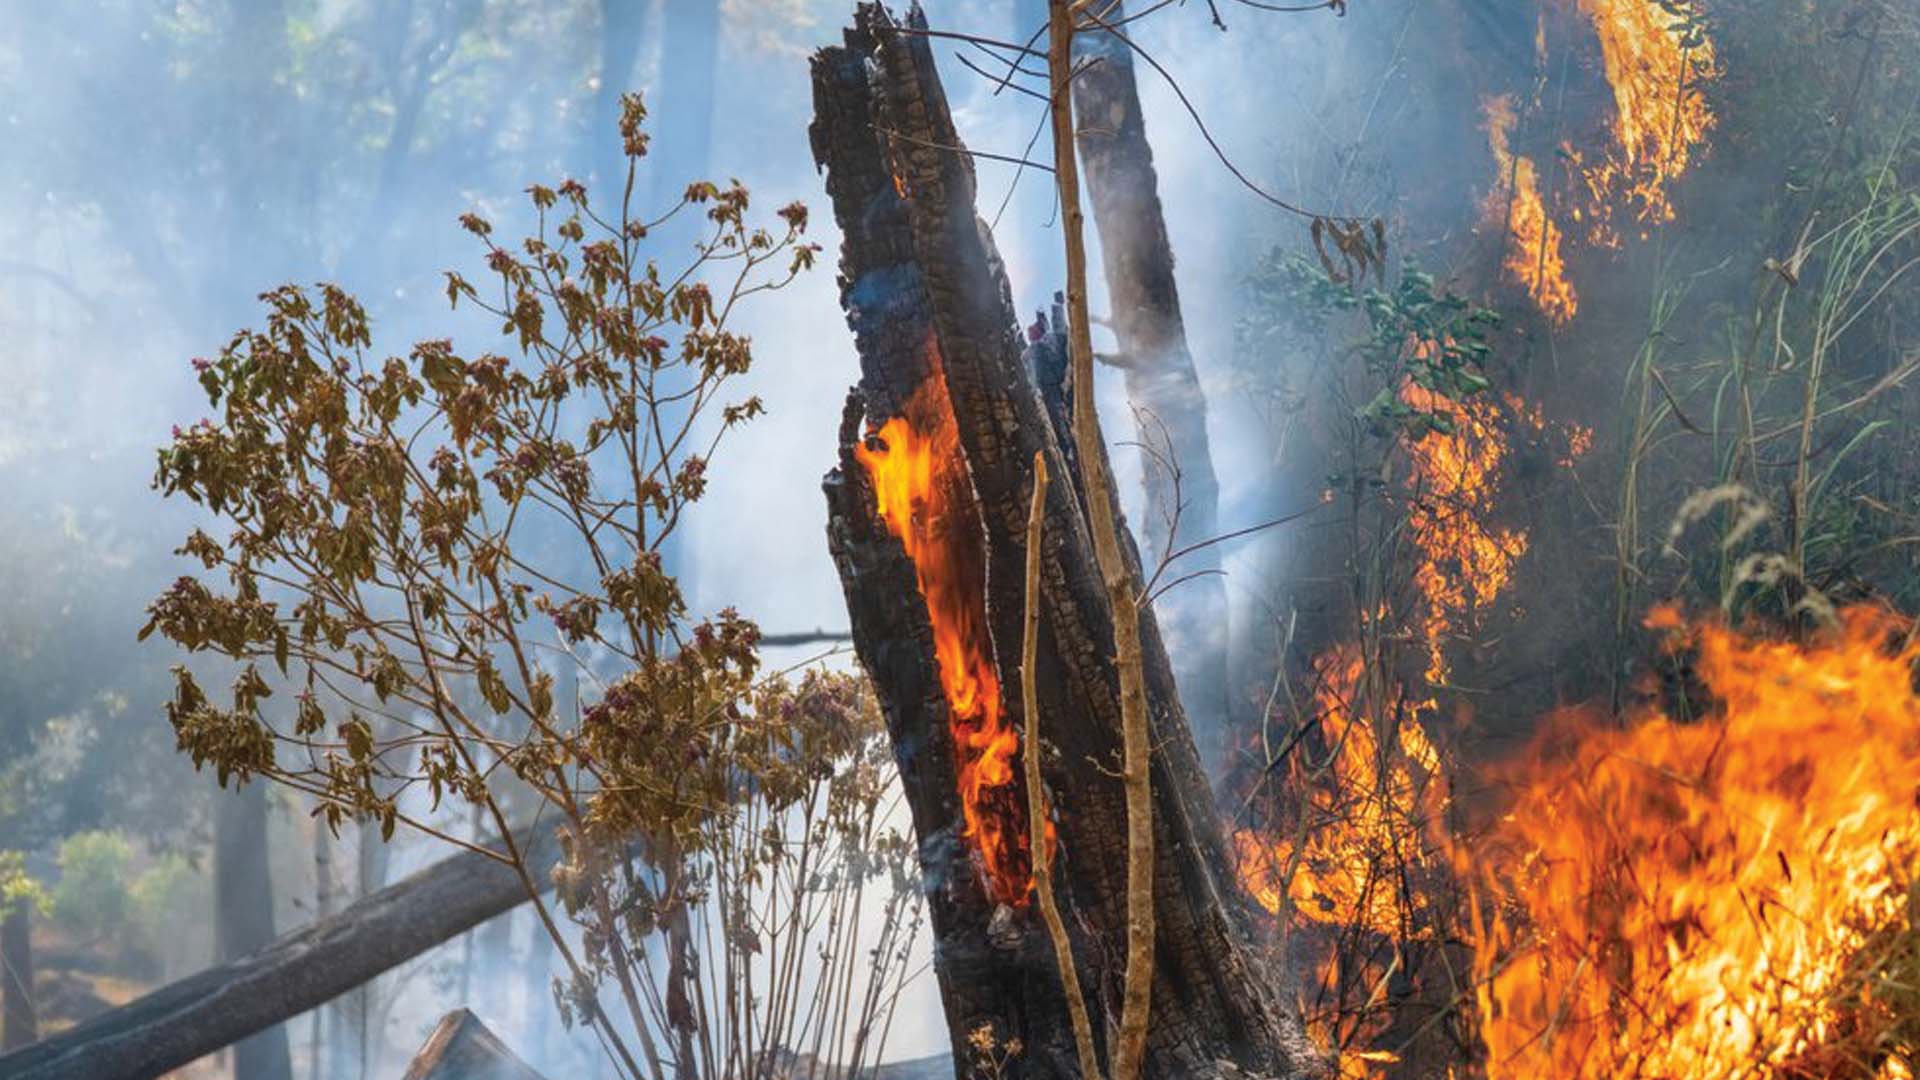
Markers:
<point>1182,494</point>
<point>926,298</point>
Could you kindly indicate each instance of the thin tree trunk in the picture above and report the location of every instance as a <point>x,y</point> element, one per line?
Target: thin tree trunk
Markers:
<point>198,1015</point>
<point>924,294</point>
<point>318,1049</point>
<point>243,914</point>
<point>21,1025</point>
<point>372,858</point>
<point>1182,492</point>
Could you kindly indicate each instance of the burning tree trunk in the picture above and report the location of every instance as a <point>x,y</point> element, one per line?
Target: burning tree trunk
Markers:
<point>927,528</point>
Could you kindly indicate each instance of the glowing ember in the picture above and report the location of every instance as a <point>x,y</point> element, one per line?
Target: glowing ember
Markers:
<point>925,497</point>
<point>1728,896</point>
<point>1654,67</point>
<point>1532,252</point>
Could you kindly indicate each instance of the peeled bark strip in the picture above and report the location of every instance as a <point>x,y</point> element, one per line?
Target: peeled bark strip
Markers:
<point>921,283</point>
<point>189,1019</point>
<point>1164,389</point>
<point>1036,789</point>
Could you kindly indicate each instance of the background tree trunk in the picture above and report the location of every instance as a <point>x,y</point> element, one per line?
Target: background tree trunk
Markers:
<point>321,1046</point>
<point>1182,503</point>
<point>243,914</point>
<point>20,1025</point>
<point>198,1015</point>
<point>623,28</point>
<point>922,286</point>
<point>681,110</point>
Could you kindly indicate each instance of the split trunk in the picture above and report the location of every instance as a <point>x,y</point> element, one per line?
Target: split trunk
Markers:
<point>923,289</point>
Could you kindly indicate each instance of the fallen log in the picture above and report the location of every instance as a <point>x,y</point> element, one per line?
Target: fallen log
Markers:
<point>934,326</point>
<point>202,1013</point>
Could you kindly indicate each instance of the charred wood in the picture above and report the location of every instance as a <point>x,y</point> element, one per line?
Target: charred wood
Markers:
<point>922,287</point>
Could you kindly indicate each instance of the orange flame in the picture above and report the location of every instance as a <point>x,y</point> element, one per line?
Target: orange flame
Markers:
<point>1654,68</point>
<point>924,495</point>
<point>1350,863</point>
<point>1714,898</point>
<point>1364,809</point>
<point>1364,854</point>
<point>1465,562</point>
<point>1533,255</point>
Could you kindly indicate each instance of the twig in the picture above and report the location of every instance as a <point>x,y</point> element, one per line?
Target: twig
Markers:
<point>1036,796</point>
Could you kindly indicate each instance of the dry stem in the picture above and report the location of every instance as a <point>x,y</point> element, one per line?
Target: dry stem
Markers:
<point>1036,797</point>
<point>1136,996</point>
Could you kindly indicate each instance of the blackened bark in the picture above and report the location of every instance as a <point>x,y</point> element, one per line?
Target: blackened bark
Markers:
<point>918,268</point>
<point>1182,504</point>
<point>21,1024</point>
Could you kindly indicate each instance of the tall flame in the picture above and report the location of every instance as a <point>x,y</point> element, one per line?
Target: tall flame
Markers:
<point>1361,863</point>
<point>1532,254</point>
<point>1732,896</point>
<point>1654,66</point>
<point>1465,561</point>
<point>1656,56</point>
<point>924,495</point>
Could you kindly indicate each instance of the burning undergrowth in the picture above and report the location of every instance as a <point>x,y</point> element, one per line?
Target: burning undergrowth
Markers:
<point>1728,894</point>
<point>1720,882</point>
<point>1348,860</point>
<point>1656,59</point>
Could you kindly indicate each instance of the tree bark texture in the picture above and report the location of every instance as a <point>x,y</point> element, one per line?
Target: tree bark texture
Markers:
<point>1182,504</point>
<point>922,285</point>
<point>198,1015</point>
